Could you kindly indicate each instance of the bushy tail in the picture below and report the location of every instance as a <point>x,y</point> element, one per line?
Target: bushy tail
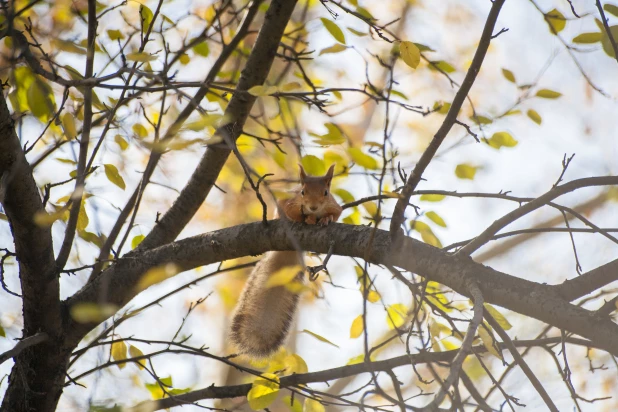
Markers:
<point>263,317</point>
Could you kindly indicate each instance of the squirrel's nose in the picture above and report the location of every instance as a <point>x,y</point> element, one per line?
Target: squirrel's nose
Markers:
<point>313,208</point>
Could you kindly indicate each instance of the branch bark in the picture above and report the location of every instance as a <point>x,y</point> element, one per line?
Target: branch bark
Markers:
<point>533,299</point>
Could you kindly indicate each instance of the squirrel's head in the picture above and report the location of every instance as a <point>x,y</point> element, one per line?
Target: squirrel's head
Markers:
<point>314,190</point>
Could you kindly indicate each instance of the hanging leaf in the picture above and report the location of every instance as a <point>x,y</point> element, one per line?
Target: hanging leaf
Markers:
<point>283,276</point>
<point>156,275</point>
<point>441,65</point>
<point>136,241</point>
<point>548,94</point>
<point>502,139</point>
<point>490,343</point>
<point>357,327</point>
<point>334,30</point>
<point>295,364</point>
<point>556,21</point>
<point>410,54</point>
<point>504,324</point>
<point>333,137</point>
<point>396,315</point>
<point>141,57</point>
<point>606,42</point>
<point>313,165</point>
<point>41,100</point>
<point>318,337</point>
<point>434,217</point>
<point>288,87</point>
<point>363,159</point>
<point>68,124</point>
<point>119,352</point>
<point>121,142</point>
<point>114,176</point>
<point>263,90</point>
<point>508,75</point>
<point>432,198</point>
<point>264,391</point>
<point>115,35</point>
<point>335,48</point>
<point>465,171</point>
<point>312,405</point>
<point>536,118</point>
<point>611,9</point>
<point>202,49</point>
<point>146,17</point>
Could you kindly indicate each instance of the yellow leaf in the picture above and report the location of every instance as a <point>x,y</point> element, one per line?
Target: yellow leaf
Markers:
<point>141,57</point>
<point>334,30</point>
<point>115,35</point>
<point>502,139</point>
<point>136,241</point>
<point>548,94</point>
<point>293,404</point>
<point>91,312</point>
<point>312,405</point>
<point>136,353</point>
<point>202,49</point>
<point>556,21</point>
<point>121,142</point>
<point>498,316</point>
<point>435,218</point>
<point>357,327</point>
<point>410,54</point>
<point>119,352</point>
<point>156,275</point>
<point>489,341</point>
<point>313,165</point>
<point>288,87</point>
<point>588,38</point>
<point>264,391</point>
<point>432,198</point>
<point>335,48</point>
<point>611,9</point>
<point>114,176</point>
<point>295,364</point>
<point>68,124</point>
<point>146,17</point>
<point>362,159</point>
<point>263,90</point>
<point>465,171</point>
<point>318,337</point>
<point>508,75</point>
<point>140,130</point>
<point>184,59</point>
<point>396,315</point>
<point>82,218</point>
<point>283,276</point>
<point>371,208</point>
<point>536,118</point>
<point>44,219</point>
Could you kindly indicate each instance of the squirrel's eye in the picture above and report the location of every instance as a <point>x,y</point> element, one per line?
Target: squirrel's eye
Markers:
<point>302,193</point>
<point>326,193</point>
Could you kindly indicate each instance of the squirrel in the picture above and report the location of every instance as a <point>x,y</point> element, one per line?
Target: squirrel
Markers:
<point>263,316</point>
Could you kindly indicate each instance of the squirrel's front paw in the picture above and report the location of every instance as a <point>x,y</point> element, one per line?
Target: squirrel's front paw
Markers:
<point>325,220</point>
<point>310,220</point>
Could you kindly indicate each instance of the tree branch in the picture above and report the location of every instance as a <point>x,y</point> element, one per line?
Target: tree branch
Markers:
<point>21,345</point>
<point>449,121</point>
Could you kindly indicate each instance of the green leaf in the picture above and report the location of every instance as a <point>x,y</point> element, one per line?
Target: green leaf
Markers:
<point>536,118</point>
<point>548,94</point>
<point>504,324</point>
<point>588,38</point>
<point>364,12</point>
<point>478,119</point>
<point>508,75</point>
<point>140,130</point>
<point>202,49</point>
<point>555,20</point>
<point>113,176</point>
<point>82,217</point>
<point>333,137</point>
<point>334,30</point>
<point>611,9</point>
<point>432,198</point>
<point>442,65</point>
<point>136,241</point>
<point>335,48</point>
<point>502,139</point>
<point>357,33</point>
<point>423,48</point>
<point>2,332</point>
<point>313,165</point>
<point>146,17</point>
<point>141,57</point>
<point>115,35</point>
<point>410,54</point>
<point>121,142</point>
<point>606,42</point>
<point>318,337</point>
<point>396,315</point>
<point>41,100</point>
<point>363,159</point>
<point>68,124</point>
<point>119,352</point>
<point>357,327</point>
<point>263,90</point>
<point>435,218</point>
<point>465,171</point>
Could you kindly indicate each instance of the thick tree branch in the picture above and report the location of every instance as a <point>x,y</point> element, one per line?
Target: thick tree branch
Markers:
<point>221,392</point>
<point>21,345</point>
<point>533,299</point>
<point>589,282</point>
<point>449,121</point>
<point>205,175</point>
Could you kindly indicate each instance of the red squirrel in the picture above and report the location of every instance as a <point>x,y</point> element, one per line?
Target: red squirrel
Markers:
<point>263,316</point>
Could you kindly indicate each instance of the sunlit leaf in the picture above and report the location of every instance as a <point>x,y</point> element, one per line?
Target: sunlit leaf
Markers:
<point>423,48</point>
<point>318,337</point>
<point>119,353</point>
<point>362,159</point>
<point>82,217</point>
<point>123,144</point>
<point>410,54</point>
<point>146,17</point>
<point>465,171</point>
<point>536,118</point>
<point>548,94</point>
<point>135,352</point>
<point>295,364</point>
<point>334,30</point>
<point>489,341</point>
<point>283,276</point>
<point>113,175</point>
<point>68,124</point>
<point>41,100</point>
<point>202,49</point>
<point>333,137</point>
<point>294,405</point>
<point>136,241</point>
<point>356,32</point>
<point>312,405</point>
<point>434,217</point>
<point>44,219</point>
<point>115,35</point>
<point>357,327</point>
<point>141,57</point>
<point>371,208</point>
<point>556,21</point>
<point>396,315</point>
<point>264,391</point>
<point>184,59</point>
<point>288,87</point>
<point>588,38</point>
<point>263,90</point>
<point>313,165</point>
<point>502,139</point>
<point>432,198</point>
<point>335,48</point>
<point>346,196</point>
<point>441,65</point>
<point>478,119</point>
<point>611,9</point>
<point>502,321</point>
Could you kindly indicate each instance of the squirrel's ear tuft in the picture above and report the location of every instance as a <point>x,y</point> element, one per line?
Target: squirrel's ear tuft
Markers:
<point>329,175</point>
<point>303,175</point>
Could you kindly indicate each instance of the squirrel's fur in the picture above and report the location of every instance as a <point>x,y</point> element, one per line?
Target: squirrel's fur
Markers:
<point>263,316</point>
